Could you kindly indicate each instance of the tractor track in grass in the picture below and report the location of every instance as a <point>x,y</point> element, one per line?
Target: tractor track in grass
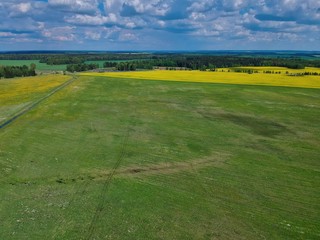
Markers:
<point>106,186</point>
<point>36,103</point>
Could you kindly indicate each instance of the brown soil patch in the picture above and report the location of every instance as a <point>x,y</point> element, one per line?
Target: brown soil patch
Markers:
<point>164,167</point>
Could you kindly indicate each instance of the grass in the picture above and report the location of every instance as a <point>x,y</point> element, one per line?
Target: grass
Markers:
<point>100,63</point>
<point>218,77</point>
<point>40,66</point>
<point>116,158</point>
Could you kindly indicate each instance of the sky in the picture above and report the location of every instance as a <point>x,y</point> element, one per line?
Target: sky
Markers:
<point>115,25</point>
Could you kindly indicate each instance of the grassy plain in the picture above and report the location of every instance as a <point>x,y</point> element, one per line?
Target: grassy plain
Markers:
<point>116,158</point>
<point>40,66</point>
<point>220,77</point>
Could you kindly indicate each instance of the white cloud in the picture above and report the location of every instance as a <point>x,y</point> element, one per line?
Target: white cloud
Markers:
<point>147,7</point>
<point>128,37</point>
<point>23,7</point>
<point>98,20</point>
<point>60,33</point>
<point>8,34</point>
<point>93,35</point>
<point>76,6</point>
<point>129,20</point>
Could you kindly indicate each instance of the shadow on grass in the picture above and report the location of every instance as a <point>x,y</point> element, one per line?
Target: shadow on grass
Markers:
<point>259,126</point>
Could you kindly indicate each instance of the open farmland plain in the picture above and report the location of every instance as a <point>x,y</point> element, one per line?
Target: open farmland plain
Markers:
<point>114,156</point>
<point>42,67</point>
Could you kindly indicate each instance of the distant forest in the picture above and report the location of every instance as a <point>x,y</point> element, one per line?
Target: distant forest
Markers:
<point>58,59</point>
<point>76,62</point>
<point>213,62</point>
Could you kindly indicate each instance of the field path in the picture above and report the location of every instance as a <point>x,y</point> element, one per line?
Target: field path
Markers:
<point>106,185</point>
<point>36,103</point>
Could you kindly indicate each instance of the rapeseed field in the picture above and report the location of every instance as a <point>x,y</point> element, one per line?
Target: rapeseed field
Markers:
<point>224,77</point>
<point>19,92</point>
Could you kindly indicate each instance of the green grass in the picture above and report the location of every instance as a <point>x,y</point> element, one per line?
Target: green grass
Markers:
<point>127,159</point>
<point>46,67</point>
<point>100,63</point>
<point>40,66</point>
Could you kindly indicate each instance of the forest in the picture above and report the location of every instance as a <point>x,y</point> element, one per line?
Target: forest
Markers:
<point>17,71</point>
<point>212,62</point>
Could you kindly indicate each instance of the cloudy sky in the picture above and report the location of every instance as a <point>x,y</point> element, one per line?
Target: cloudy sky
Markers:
<point>159,25</point>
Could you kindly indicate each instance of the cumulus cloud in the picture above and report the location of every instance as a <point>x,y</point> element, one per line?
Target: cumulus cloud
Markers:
<point>92,35</point>
<point>136,7</point>
<point>198,21</point>
<point>89,20</point>
<point>23,7</point>
<point>76,6</point>
<point>59,33</point>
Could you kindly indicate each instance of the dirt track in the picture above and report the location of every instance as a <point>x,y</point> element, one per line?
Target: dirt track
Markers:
<point>36,103</point>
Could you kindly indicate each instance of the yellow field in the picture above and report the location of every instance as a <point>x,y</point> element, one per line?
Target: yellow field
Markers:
<point>281,69</point>
<point>18,88</point>
<point>220,77</point>
<point>18,92</point>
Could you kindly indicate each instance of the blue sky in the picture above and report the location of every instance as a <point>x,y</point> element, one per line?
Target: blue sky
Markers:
<point>159,25</point>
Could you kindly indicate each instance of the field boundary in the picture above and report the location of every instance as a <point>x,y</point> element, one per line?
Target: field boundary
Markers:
<point>36,103</point>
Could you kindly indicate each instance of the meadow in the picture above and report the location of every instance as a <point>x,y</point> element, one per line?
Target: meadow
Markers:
<point>40,66</point>
<point>112,156</point>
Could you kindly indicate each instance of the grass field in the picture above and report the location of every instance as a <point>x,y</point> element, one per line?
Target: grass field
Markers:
<point>219,77</point>
<point>40,66</point>
<point>117,158</point>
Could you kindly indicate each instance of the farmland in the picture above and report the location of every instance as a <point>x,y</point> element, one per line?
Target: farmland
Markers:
<point>223,76</point>
<point>18,93</point>
<point>192,155</point>
<point>40,66</point>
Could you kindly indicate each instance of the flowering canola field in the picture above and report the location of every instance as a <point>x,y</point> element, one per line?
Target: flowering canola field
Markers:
<point>19,92</point>
<point>222,77</point>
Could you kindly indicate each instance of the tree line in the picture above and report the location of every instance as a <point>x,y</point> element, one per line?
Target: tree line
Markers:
<point>184,60</point>
<point>17,71</point>
<point>121,66</point>
<point>74,58</point>
<point>132,61</point>
<point>81,67</point>
<point>212,62</point>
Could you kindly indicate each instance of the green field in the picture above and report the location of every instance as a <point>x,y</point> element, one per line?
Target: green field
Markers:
<point>40,66</point>
<point>114,158</point>
<point>46,67</point>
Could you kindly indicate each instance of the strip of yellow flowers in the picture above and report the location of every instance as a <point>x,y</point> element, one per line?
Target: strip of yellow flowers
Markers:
<point>21,89</point>
<point>225,77</point>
